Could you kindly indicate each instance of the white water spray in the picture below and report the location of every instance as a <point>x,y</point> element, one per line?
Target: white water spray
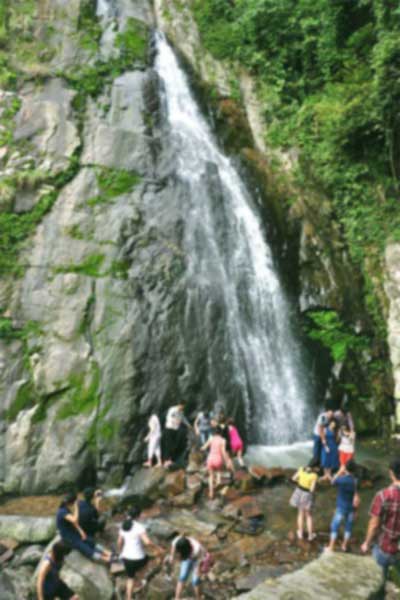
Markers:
<point>231,271</point>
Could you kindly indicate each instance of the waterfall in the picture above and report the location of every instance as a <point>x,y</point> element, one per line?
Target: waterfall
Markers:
<point>234,295</point>
<point>104,8</point>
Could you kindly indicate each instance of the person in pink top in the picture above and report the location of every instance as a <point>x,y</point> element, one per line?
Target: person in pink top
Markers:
<point>217,459</point>
<point>236,442</point>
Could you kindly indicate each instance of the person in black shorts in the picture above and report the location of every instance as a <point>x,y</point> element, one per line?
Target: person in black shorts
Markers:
<point>131,538</point>
<point>49,583</point>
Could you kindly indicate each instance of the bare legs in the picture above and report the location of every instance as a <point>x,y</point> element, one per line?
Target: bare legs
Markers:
<point>309,521</point>
<point>300,524</point>
<point>129,588</point>
<point>211,483</point>
<point>154,449</point>
<point>240,458</point>
<point>305,515</point>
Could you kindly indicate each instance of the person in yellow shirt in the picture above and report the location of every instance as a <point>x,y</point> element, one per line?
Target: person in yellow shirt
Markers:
<point>303,497</point>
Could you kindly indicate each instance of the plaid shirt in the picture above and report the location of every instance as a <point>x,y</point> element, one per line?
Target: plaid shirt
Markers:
<point>386,506</point>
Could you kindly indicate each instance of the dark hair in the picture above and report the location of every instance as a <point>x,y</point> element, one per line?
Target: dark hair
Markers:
<point>127,525</point>
<point>134,512</point>
<point>218,431</point>
<point>69,498</point>
<point>221,417</point>
<point>230,421</point>
<point>395,467</point>
<point>183,547</point>
<point>88,493</point>
<point>351,466</point>
<point>314,463</point>
<point>59,550</point>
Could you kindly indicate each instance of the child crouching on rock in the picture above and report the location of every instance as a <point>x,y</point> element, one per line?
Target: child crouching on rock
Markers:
<point>303,497</point>
<point>191,553</point>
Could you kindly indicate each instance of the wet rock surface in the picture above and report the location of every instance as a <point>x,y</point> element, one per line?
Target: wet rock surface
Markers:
<point>269,556</point>
<point>27,529</point>
<point>332,576</point>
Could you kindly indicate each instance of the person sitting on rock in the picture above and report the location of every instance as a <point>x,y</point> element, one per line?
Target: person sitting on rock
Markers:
<point>72,534</point>
<point>217,459</point>
<point>190,553</point>
<point>236,442</point>
<point>303,497</point>
<point>49,584</point>
<point>153,439</point>
<point>131,538</point>
<point>90,519</point>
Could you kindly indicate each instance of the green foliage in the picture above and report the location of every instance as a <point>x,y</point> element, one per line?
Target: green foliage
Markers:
<point>83,395</point>
<point>90,266</point>
<point>119,269</point>
<point>89,28</point>
<point>113,183</point>
<point>9,108</point>
<point>8,331</point>
<point>90,79</point>
<point>132,43</point>
<point>24,399</point>
<point>328,78</point>
<point>327,328</point>
<point>15,229</point>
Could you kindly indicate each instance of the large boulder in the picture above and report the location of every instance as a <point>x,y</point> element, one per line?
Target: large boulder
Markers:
<point>144,486</point>
<point>88,579</point>
<point>332,577</point>
<point>7,588</point>
<point>27,529</point>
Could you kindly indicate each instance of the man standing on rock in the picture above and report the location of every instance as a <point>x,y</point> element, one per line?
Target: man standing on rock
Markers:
<point>173,442</point>
<point>385,522</point>
<point>319,432</point>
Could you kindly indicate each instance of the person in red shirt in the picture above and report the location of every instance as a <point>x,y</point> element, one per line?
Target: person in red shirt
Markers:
<point>385,522</point>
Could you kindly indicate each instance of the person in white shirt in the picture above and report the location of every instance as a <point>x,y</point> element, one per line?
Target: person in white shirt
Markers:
<point>190,553</point>
<point>173,423</point>
<point>319,433</point>
<point>153,439</point>
<point>131,540</point>
<point>346,445</point>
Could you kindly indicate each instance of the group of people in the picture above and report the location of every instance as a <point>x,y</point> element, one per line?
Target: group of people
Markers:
<point>215,434</point>
<point>79,520</point>
<point>334,440</point>
<point>333,460</point>
<point>333,454</point>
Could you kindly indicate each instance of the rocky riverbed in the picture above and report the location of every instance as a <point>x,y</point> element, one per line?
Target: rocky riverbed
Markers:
<point>249,529</point>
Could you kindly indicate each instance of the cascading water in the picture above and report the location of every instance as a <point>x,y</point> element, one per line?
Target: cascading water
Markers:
<point>234,296</point>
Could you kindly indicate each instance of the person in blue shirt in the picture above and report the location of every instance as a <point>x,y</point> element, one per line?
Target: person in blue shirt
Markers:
<point>90,519</point>
<point>347,500</point>
<point>67,520</point>
<point>49,584</point>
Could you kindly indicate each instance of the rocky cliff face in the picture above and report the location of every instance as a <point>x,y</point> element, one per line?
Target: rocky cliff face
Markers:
<point>92,267</point>
<point>319,270</point>
<point>90,343</point>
